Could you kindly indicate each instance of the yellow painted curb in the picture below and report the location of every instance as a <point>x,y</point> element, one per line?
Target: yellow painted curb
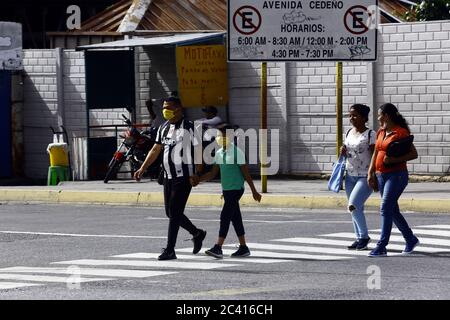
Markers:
<point>210,200</point>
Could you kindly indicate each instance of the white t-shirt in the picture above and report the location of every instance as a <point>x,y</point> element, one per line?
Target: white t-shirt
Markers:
<point>358,151</point>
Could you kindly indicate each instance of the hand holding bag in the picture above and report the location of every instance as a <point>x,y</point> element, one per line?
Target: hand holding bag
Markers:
<point>400,147</point>
<point>337,175</point>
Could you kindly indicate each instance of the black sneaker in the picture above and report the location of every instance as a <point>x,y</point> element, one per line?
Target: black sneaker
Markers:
<point>353,245</point>
<point>378,252</point>
<point>243,251</point>
<point>362,244</point>
<point>167,255</point>
<point>215,252</point>
<point>198,241</point>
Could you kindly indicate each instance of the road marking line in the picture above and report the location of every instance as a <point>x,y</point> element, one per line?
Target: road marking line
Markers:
<point>438,233</point>
<point>127,273</point>
<point>268,221</point>
<point>436,226</point>
<point>265,246</point>
<point>393,238</point>
<point>11,276</point>
<point>276,255</point>
<point>271,254</point>
<point>420,248</point>
<point>154,264</point>
<point>83,235</point>
<point>314,241</point>
<point>201,257</point>
<point>14,285</point>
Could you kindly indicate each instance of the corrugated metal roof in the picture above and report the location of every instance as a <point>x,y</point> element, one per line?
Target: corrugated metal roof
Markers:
<point>108,20</point>
<point>179,39</point>
<point>165,15</point>
<point>394,10</point>
<point>190,15</point>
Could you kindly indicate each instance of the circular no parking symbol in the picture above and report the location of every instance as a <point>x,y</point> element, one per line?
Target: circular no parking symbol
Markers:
<point>357,19</point>
<point>247,20</point>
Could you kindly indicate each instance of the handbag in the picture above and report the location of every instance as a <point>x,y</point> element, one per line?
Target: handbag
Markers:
<point>400,147</point>
<point>337,175</point>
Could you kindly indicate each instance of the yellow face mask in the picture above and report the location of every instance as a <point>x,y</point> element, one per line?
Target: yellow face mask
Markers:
<point>168,114</point>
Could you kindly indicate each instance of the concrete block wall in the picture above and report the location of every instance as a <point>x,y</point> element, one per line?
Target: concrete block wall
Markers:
<point>43,109</point>
<point>312,111</point>
<point>413,72</point>
<point>245,106</point>
<point>156,79</point>
<point>40,109</point>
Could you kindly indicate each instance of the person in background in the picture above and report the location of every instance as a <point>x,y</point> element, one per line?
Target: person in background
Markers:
<point>211,120</point>
<point>392,176</point>
<point>151,113</point>
<point>230,161</point>
<point>177,174</point>
<point>358,147</point>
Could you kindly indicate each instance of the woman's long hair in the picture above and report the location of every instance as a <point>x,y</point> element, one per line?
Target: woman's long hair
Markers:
<point>394,115</point>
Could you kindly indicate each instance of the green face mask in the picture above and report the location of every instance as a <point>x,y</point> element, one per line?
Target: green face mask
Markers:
<point>168,114</point>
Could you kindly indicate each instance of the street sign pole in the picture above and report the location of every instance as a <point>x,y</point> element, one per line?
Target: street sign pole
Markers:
<point>338,107</point>
<point>263,142</point>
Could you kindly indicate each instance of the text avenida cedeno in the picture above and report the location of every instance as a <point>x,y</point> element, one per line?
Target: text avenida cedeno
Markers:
<point>302,30</point>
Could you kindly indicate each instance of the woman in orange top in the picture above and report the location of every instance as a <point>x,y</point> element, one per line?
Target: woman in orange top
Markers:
<point>392,176</point>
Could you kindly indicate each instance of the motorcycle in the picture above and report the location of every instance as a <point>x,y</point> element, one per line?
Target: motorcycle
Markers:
<point>134,149</point>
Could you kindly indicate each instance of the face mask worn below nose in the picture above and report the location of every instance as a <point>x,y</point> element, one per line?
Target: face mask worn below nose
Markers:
<point>222,141</point>
<point>168,114</point>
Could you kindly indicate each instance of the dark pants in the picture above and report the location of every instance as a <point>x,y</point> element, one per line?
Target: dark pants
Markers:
<point>231,213</point>
<point>176,194</point>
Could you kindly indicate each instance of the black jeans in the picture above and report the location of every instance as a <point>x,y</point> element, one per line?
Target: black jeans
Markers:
<point>176,194</point>
<point>231,213</point>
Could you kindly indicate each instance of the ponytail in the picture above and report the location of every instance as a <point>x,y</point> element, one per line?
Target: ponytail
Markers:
<point>395,116</point>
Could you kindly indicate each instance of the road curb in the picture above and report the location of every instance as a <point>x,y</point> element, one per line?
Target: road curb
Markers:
<point>209,200</point>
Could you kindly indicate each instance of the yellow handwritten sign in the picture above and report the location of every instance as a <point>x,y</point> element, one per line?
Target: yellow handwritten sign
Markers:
<point>202,75</point>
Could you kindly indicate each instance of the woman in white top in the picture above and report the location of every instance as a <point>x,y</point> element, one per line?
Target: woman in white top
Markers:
<point>358,146</point>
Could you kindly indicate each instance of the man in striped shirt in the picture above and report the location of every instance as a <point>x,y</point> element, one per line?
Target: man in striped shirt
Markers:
<point>176,140</point>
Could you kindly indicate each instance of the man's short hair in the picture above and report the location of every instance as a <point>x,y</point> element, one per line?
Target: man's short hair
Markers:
<point>174,100</point>
<point>223,127</point>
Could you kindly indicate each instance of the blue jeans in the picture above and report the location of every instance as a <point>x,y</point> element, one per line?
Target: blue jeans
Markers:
<point>391,186</point>
<point>358,191</point>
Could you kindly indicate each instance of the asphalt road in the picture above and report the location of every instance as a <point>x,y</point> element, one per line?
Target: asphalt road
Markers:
<point>108,252</point>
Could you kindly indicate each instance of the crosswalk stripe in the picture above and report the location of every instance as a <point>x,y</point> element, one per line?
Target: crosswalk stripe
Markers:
<point>265,246</point>
<point>14,285</point>
<point>272,254</point>
<point>201,257</point>
<point>393,238</point>
<point>314,241</point>
<point>24,277</point>
<point>437,226</point>
<point>438,233</point>
<point>420,248</point>
<point>127,273</point>
<point>280,255</point>
<point>154,264</point>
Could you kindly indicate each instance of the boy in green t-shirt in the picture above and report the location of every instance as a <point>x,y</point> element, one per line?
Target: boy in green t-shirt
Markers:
<point>230,160</point>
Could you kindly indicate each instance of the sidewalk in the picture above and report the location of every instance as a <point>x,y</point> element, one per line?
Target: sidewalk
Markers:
<point>282,193</point>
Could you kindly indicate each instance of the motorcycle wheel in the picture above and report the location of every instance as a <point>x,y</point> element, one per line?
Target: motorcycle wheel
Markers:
<point>112,170</point>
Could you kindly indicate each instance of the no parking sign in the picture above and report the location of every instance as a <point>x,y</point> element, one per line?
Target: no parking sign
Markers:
<point>290,30</point>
